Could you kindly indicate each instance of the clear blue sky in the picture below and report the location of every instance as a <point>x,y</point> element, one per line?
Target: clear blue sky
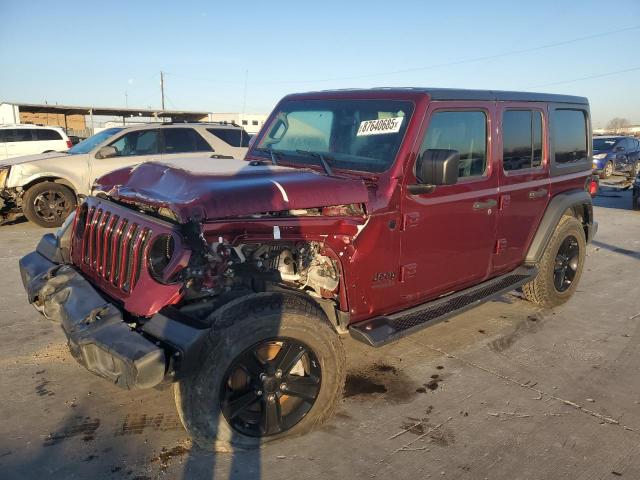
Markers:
<point>91,53</point>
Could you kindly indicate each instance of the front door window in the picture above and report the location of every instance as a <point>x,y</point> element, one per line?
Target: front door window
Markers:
<point>141,142</point>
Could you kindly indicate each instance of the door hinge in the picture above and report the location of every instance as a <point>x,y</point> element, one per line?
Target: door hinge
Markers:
<point>407,271</point>
<point>410,219</point>
<point>501,245</point>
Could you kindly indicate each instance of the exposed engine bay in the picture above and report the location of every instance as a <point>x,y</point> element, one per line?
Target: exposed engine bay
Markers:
<point>223,269</point>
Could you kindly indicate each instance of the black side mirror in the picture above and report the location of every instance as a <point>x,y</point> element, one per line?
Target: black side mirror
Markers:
<point>436,167</point>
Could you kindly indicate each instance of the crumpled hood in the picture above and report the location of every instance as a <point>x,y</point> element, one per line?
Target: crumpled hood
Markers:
<point>209,188</point>
<point>30,158</point>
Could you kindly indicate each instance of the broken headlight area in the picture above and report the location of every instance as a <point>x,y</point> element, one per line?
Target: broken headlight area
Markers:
<point>161,252</point>
<point>10,204</point>
<point>4,174</point>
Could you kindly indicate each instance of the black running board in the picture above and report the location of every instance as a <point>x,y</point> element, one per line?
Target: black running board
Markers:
<point>381,330</point>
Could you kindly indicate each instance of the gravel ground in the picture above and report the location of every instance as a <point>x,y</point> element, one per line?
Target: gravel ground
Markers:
<point>506,391</point>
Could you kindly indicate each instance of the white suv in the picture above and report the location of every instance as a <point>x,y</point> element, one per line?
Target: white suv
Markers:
<point>19,140</point>
<point>46,187</point>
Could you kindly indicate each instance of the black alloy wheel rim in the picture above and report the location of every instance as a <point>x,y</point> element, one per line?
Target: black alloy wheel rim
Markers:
<point>566,266</point>
<point>270,387</point>
<point>50,206</point>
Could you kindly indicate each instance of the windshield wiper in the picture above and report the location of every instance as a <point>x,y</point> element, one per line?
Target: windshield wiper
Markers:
<point>321,157</point>
<point>269,150</point>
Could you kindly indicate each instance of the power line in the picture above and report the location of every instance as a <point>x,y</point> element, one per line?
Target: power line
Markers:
<point>474,59</point>
<point>585,78</point>
<point>425,67</point>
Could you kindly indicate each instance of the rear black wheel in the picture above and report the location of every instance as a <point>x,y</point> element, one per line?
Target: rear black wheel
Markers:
<point>48,203</point>
<point>566,264</point>
<point>276,369</point>
<point>561,265</point>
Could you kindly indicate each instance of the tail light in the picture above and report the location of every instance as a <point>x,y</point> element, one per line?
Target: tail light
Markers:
<point>69,143</point>
<point>592,185</point>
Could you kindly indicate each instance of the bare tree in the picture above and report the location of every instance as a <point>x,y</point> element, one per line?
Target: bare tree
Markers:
<point>618,124</point>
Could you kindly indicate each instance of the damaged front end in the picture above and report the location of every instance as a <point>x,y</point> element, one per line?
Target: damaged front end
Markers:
<point>10,199</point>
<point>136,295</point>
<point>10,204</point>
<point>91,277</point>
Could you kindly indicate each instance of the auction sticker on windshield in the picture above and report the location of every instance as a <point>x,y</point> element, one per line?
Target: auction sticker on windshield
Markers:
<point>380,126</point>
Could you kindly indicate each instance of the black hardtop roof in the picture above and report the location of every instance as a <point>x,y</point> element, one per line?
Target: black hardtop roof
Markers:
<point>466,94</point>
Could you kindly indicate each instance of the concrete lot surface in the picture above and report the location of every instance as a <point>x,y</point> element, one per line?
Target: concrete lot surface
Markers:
<point>506,391</point>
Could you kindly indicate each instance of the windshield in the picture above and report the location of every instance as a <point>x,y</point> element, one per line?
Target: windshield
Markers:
<point>93,141</point>
<point>604,143</point>
<point>362,135</point>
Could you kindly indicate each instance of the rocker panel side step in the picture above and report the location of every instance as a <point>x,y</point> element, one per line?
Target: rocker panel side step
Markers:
<point>381,330</point>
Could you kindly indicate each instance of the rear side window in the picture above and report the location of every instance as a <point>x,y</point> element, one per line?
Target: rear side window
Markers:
<point>464,131</point>
<point>233,136</point>
<point>184,140</point>
<point>46,134</point>
<point>569,135</point>
<point>521,139</point>
<point>19,135</point>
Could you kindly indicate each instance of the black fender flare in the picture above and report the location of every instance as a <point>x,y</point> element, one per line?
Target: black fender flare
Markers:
<point>577,199</point>
<point>225,315</point>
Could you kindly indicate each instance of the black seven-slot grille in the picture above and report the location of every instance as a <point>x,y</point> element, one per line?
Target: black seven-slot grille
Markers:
<point>113,247</point>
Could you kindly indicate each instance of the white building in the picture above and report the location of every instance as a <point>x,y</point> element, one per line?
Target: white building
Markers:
<point>252,122</point>
<point>86,120</point>
<point>9,113</point>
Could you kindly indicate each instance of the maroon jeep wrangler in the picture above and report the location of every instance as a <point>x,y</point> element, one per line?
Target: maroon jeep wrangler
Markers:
<point>373,213</point>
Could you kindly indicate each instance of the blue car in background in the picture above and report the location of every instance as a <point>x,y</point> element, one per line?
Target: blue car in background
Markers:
<point>616,154</point>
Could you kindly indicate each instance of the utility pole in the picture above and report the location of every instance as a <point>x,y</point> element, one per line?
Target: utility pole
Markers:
<point>162,88</point>
<point>244,102</point>
<point>126,99</point>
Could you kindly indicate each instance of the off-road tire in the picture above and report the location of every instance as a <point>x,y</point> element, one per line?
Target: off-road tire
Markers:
<point>239,325</point>
<point>541,289</point>
<point>31,196</point>
<point>607,170</point>
<point>635,170</point>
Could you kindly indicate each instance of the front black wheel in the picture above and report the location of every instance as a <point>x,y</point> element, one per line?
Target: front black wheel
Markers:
<point>276,369</point>
<point>270,387</point>
<point>47,204</point>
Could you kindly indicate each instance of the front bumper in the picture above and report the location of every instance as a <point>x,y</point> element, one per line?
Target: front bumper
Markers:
<point>99,339</point>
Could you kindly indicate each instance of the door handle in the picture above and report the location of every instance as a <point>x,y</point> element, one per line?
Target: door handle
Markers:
<point>542,192</point>
<point>485,205</point>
